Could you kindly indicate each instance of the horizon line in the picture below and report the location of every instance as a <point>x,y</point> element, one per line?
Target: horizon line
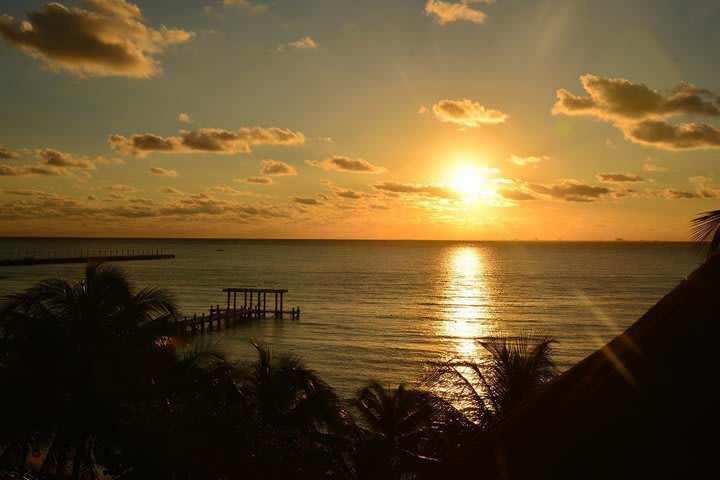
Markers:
<point>529,240</point>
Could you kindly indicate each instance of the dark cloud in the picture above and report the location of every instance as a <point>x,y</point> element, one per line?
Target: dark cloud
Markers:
<point>347,193</point>
<point>163,172</point>
<point>619,178</point>
<point>467,113</point>
<point>571,191</point>
<point>516,194</point>
<point>141,143</point>
<point>53,163</point>
<point>305,201</point>
<point>30,170</point>
<point>226,190</point>
<point>276,168</point>
<point>143,201</point>
<point>671,193</point>
<point>254,180</point>
<point>341,163</point>
<point>180,206</point>
<point>212,140</point>
<point>641,113</point>
<point>686,136</point>
<point>620,99</point>
<point>106,38</point>
<point>437,191</point>
<point>7,154</point>
<point>33,193</point>
<point>53,158</point>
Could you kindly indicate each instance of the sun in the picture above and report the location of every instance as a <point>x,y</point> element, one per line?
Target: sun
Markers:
<point>470,182</point>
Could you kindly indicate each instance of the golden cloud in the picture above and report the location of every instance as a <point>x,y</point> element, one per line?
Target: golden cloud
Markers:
<point>106,38</point>
<point>467,113</point>
<point>447,12</point>
<point>342,163</point>
<point>210,140</point>
<point>163,172</point>
<point>641,113</point>
<point>276,168</point>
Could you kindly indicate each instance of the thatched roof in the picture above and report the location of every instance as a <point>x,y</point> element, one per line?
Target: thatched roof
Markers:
<point>645,406</point>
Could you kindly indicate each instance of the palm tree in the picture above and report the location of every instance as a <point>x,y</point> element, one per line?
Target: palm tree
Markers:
<point>76,351</point>
<point>301,421</point>
<point>706,232</point>
<point>399,431</point>
<point>285,394</point>
<point>487,389</point>
<point>194,424</point>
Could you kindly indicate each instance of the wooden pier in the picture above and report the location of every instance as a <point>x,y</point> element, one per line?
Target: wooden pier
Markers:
<point>251,304</point>
<point>88,256</point>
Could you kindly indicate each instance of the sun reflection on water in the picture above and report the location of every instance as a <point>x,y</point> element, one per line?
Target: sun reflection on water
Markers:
<point>465,312</point>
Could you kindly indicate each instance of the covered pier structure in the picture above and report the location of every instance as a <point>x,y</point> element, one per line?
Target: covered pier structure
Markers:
<point>243,304</point>
<point>254,301</point>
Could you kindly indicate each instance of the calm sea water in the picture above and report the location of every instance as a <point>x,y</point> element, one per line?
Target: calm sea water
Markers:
<point>384,309</point>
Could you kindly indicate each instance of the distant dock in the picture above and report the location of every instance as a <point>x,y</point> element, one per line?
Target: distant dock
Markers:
<point>89,256</point>
<point>254,306</point>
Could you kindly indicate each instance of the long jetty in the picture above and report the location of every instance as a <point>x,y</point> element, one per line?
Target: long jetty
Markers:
<point>89,256</point>
<point>254,306</point>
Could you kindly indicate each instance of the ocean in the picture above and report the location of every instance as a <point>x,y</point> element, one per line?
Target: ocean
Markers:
<point>387,309</point>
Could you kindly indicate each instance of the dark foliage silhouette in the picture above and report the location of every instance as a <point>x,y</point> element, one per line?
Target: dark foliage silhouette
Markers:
<point>71,354</point>
<point>706,232</point>
<point>487,389</point>
<point>95,380</point>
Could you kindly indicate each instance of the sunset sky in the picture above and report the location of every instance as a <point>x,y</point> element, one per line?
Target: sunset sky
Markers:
<point>416,119</point>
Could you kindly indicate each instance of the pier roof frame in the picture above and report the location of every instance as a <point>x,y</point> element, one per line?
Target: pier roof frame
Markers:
<point>254,290</point>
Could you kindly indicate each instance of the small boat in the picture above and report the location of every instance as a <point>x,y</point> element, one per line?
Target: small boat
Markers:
<point>219,250</point>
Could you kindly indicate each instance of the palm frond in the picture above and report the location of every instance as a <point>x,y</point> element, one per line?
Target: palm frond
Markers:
<point>705,232</point>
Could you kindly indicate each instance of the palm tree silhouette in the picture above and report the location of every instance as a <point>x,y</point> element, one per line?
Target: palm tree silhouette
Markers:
<point>75,352</point>
<point>194,424</point>
<point>487,389</point>
<point>706,232</point>
<point>285,394</point>
<point>398,439</point>
<point>293,406</point>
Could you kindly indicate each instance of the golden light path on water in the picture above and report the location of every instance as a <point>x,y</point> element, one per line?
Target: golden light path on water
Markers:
<point>466,313</point>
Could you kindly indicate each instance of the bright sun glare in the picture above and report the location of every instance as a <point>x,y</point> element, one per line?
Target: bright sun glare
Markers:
<point>470,182</point>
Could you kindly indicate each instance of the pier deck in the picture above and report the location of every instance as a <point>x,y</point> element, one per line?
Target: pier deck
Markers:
<point>96,256</point>
<point>253,306</point>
